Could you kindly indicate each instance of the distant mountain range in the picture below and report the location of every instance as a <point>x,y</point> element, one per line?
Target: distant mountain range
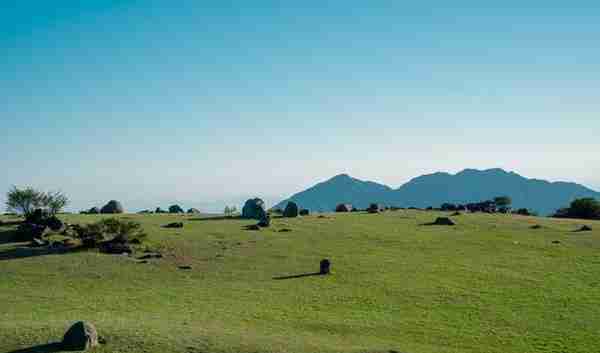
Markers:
<point>470,185</point>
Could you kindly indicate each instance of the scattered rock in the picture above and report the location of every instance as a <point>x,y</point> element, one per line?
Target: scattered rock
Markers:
<point>185,267</point>
<point>55,224</point>
<point>322,216</point>
<point>150,256</point>
<point>444,221</point>
<point>175,209</point>
<point>254,209</point>
<point>115,248</point>
<point>253,227</point>
<point>325,267</point>
<point>143,262</point>
<point>536,226</point>
<point>113,206</point>
<point>585,229</point>
<point>344,207</point>
<point>58,245</point>
<point>285,230</point>
<point>81,336</point>
<point>556,242</point>
<point>265,220</point>
<point>174,225</point>
<point>291,210</point>
<point>375,208</point>
<point>37,242</point>
<point>29,231</point>
<point>68,243</point>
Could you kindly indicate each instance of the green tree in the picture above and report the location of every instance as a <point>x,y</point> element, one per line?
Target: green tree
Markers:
<point>24,201</point>
<point>586,208</point>
<point>503,203</point>
<point>55,201</point>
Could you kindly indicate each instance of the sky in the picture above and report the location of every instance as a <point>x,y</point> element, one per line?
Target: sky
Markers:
<point>206,103</point>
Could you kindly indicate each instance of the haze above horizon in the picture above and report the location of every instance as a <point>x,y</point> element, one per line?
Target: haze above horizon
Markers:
<point>155,101</point>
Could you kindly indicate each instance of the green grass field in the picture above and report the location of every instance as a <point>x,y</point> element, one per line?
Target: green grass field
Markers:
<point>489,284</point>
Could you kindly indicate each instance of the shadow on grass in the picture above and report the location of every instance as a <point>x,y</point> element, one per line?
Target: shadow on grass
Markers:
<point>299,276</point>
<point>44,348</point>
<point>22,252</point>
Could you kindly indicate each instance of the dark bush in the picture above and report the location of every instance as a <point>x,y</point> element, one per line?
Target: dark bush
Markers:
<point>111,229</point>
<point>586,208</point>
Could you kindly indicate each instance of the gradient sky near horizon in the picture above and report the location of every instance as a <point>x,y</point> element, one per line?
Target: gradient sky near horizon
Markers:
<point>208,101</point>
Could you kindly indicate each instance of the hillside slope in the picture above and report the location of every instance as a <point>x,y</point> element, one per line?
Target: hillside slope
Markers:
<point>470,185</point>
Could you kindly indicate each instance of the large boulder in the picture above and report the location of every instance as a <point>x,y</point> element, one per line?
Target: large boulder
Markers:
<point>81,336</point>
<point>254,209</point>
<point>375,208</point>
<point>175,209</point>
<point>344,207</point>
<point>265,221</point>
<point>112,207</point>
<point>291,210</point>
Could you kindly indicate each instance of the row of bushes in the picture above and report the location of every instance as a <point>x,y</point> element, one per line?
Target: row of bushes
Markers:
<point>586,208</point>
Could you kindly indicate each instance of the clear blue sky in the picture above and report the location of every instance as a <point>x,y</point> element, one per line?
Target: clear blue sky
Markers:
<point>206,101</point>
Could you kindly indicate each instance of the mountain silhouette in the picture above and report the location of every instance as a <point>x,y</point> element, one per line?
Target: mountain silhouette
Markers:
<point>469,185</point>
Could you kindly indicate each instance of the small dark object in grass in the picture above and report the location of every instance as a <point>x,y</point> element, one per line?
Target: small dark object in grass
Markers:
<point>556,242</point>
<point>321,216</point>
<point>537,226</point>
<point>115,248</point>
<point>174,225</point>
<point>585,229</point>
<point>285,230</point>
<point>185,267</point>
<point>150,256</point>
<point>143,262</point>
<point>325,267</point>
<point>456,214</point>
<point>253,227</point>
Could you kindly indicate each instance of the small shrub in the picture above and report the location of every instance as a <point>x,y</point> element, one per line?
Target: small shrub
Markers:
<point>111,229</point>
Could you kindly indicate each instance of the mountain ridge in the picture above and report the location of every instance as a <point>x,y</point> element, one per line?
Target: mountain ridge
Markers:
<point>468,185</point>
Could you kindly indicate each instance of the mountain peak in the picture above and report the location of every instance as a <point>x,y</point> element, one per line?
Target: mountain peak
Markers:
<point>469,185</point>
<point>491,171</point>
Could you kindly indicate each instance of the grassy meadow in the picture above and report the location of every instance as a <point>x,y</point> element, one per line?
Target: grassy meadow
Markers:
<point>489,284</point>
